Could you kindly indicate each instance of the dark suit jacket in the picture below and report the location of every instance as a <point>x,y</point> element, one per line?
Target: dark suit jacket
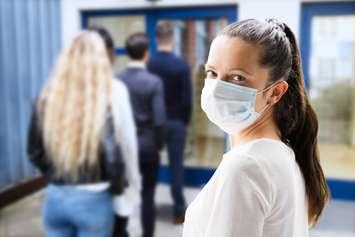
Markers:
<point>147,98</point>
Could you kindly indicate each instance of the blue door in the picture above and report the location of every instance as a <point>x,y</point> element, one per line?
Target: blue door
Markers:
<point>194,28</point>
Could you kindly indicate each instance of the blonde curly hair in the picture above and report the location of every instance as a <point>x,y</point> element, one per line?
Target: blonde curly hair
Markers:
<point>75,102</point>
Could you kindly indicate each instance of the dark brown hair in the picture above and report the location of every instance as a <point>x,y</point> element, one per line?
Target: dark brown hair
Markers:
<point>137,45</point>
<point>293,114</point>
<point>106,36</point>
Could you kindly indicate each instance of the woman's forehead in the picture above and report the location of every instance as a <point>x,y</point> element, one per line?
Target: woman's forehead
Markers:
<point>232,53</point>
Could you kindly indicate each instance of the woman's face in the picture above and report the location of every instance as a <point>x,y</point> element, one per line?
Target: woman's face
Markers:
<point>236,61</point>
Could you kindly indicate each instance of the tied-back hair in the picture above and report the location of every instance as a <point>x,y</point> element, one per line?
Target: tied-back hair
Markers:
<point>74,104</point>
<point>293,114</point>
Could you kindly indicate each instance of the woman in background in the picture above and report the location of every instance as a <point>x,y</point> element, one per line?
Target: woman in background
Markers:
<point>270,184</point>
<point>81,136</point>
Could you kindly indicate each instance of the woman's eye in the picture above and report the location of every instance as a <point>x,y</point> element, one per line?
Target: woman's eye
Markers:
<point>239,78</point>
<point>211,74</point>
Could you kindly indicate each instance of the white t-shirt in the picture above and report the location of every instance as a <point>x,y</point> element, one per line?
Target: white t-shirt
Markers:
<point>257,191</point>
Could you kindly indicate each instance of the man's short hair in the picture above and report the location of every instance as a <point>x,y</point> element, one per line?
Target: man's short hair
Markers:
<point>137,45</point>
<point>164,32</point>
<point>105,35</point>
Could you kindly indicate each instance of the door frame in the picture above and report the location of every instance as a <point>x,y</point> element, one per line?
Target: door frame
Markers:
<point>198,176</point>
<point>152,15</point>
<point>340,188</point>
<point>194,176</point>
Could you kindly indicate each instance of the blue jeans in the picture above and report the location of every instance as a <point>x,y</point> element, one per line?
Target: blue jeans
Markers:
<point>68,211</point>
<point>176,138</point>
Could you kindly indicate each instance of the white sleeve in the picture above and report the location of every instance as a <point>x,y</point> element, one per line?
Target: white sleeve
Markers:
<point>241,203</point>
<point>125,204</point>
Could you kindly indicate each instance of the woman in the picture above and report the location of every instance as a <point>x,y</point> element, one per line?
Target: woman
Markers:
<point>270,183</point>
<point>82,138</point>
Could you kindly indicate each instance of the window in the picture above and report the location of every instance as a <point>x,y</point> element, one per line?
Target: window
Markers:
<point>329,63</point>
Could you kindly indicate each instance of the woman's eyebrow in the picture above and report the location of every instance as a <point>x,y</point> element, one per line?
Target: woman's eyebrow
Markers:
<point>242,70</point>
<point>209,66</point>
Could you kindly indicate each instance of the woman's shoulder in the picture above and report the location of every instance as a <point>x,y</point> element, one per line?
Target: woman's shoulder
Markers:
<point>241,169</point>
<point>120,102</point>
<point>118,86</point>
<point>240,162</point>
<point>263,152</point>
<point>119,94</point>
<point>264,162</point>
<point>258,160</point>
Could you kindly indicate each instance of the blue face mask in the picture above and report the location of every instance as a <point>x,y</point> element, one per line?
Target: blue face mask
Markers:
<point>231,107</point>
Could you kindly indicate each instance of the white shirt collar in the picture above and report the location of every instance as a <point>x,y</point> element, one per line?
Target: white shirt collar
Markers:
<point>136,64</point>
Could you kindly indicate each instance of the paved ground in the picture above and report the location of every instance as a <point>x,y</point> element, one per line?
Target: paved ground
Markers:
<point>23,218</point>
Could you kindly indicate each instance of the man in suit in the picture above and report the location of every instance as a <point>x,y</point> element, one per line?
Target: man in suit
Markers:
<point>147,97</point>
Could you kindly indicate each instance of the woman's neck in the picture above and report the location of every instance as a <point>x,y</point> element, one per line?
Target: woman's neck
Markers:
<point>264,127</point>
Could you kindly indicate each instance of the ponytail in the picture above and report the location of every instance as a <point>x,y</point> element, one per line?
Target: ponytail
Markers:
<point>300,132</point>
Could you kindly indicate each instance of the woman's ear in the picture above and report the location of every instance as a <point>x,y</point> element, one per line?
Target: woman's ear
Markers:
<point>278,91</point>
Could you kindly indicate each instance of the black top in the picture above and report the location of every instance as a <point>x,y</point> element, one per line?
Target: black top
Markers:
<point>109,168</point>
<point>175,74</point>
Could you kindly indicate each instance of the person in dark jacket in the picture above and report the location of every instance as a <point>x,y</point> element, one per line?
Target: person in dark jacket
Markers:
<point>75,141</point>
<point>175,75</point>
<point>147,96</point>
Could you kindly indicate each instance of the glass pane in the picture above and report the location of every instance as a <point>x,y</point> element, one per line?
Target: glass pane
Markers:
<point>120,27</point>
<point>205,142</point>
<point>120,63</point>
<point>332,83</point>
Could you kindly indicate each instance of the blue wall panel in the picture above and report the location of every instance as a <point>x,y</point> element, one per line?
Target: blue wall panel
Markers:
<point>29,43</point>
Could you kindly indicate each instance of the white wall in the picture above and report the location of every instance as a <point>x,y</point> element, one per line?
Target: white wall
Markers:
<point>287,11</point>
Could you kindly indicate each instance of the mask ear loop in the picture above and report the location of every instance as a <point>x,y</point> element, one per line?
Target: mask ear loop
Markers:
<point>268,104</point>
<point>268,87</point>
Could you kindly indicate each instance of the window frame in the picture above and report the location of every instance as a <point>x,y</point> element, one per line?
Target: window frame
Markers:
<point>340,188</point>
